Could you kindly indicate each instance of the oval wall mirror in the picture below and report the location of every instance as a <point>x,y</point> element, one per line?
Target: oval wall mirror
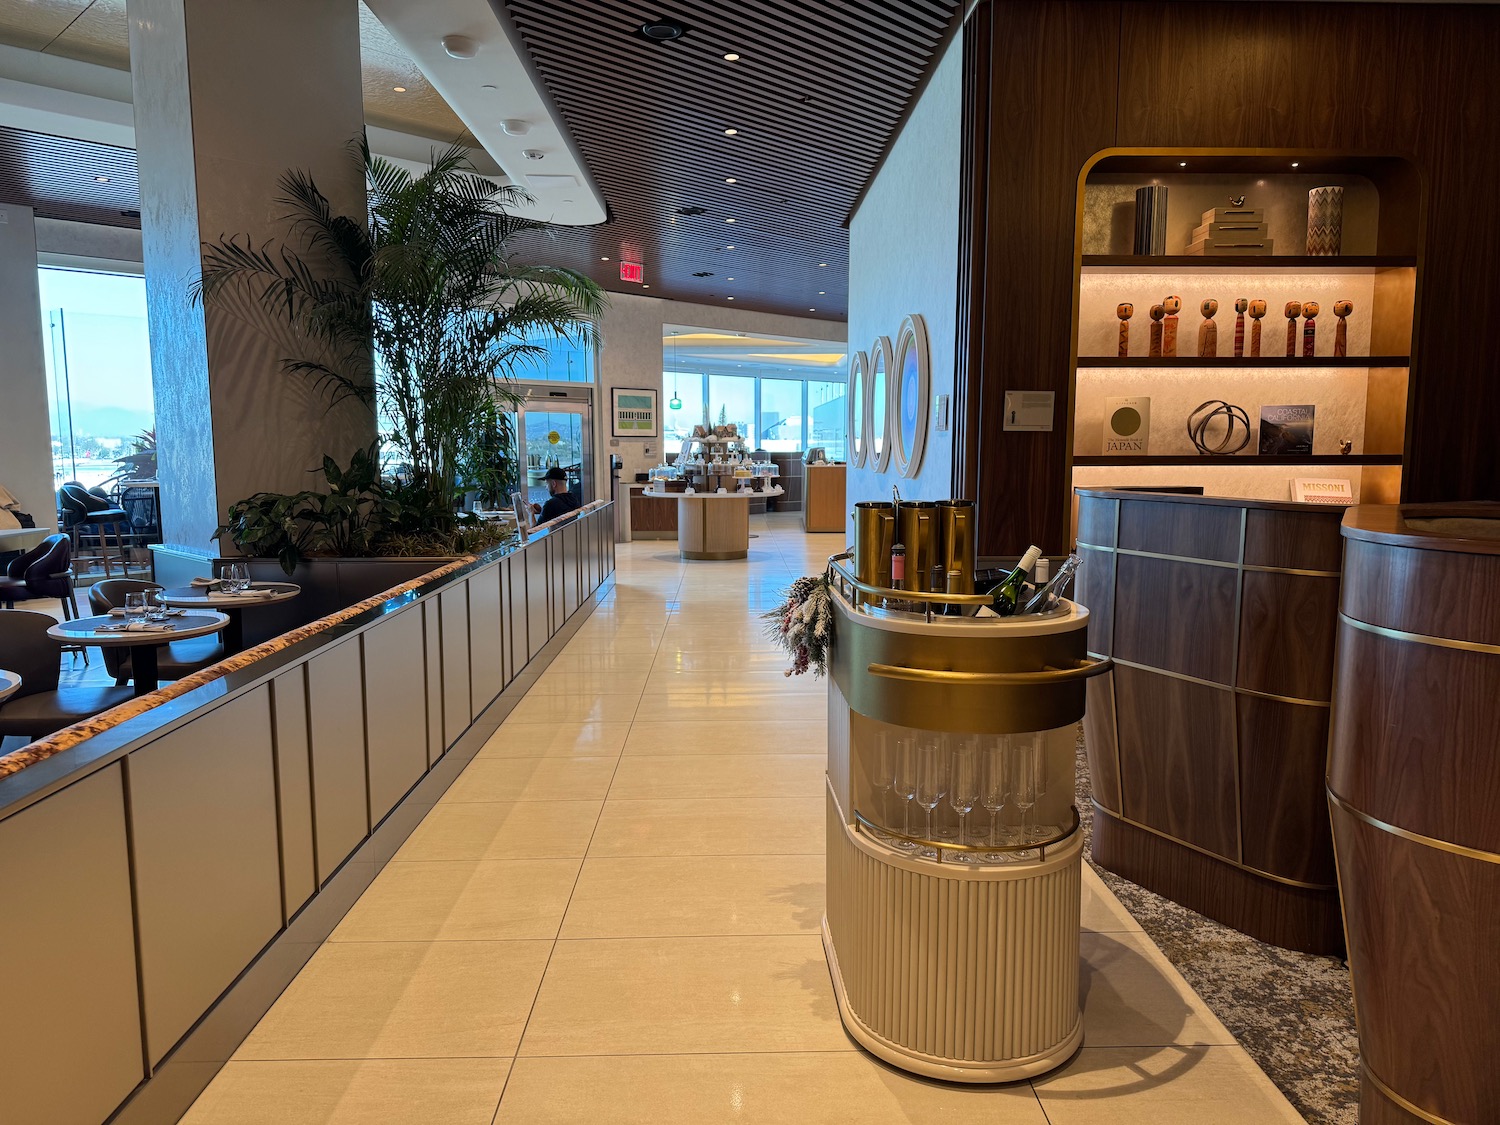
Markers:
<point>913,391</point>
<point>857,407</point>
<point>881,365</point>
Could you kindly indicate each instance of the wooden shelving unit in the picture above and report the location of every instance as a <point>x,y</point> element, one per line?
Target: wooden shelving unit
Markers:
<point>1275,363</point>
<point>1359,398</point>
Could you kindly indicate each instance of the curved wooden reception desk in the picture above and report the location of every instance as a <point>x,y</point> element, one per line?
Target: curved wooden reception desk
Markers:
<point>1414,789</point>
<point>1207,743</point>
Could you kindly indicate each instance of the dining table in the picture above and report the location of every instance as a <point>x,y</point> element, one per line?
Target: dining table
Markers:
<point>109,631</point>
<point>233,603</point>
<point>10,683</point>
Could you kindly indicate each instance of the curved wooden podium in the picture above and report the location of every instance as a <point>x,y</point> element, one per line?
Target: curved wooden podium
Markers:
<point>1414,792</point>
<point>1207,743</point>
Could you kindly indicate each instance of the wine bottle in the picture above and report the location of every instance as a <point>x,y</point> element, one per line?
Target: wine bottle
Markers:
<point>951,582</point>
<point>1007,593</point>
<point>1044,599</point>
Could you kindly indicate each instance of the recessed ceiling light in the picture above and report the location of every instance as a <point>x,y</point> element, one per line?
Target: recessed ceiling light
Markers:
<point>812,310</point>
<point>729,279</point>
<point>822,265</point>
<point>399,89</point>
<point>730,180</point>
<point>728,298</point>
<point>729,220</point>
<point>101,179</point>
<point>821,293</point>
<point>604,259</point>
<point>730,132</point>
<point>645,287</point>
<point>731,57</point>
<point>730,246</point>
<point>1294,163</point>
<point>1182,164</point>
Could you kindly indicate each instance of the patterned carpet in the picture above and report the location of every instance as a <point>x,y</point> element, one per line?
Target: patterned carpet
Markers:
<point>1293,1012</point>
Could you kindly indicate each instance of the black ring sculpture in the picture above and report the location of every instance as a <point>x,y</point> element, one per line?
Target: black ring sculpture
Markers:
<point>1199,420</point>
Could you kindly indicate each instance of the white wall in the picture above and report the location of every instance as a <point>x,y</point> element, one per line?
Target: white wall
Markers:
<point>631,356</point>
<point>25,428</point>
<point>903,259</point>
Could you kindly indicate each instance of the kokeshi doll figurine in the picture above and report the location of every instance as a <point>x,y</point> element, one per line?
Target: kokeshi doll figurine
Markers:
<point>1157,312</point>
<point>1125,310</point>
<point>1341,309</point>
<point>1208,331</point>
<point>1257,310</point>
<point>1309,329</point>
<point>1171,306</point>
<point>1293,311</point>
<point>1240,305</point>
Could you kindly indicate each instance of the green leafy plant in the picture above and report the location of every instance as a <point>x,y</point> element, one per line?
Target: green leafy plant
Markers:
<point>431,281</point>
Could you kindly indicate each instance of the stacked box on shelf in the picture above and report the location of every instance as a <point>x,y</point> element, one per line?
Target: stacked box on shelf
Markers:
<point>1231,230</point>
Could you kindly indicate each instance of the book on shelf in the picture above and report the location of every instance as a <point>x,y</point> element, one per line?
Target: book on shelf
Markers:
<point>1127,424</point>
<point>1286,430</point>
<point>1229,244</point>
<point>1312,490</point>
<point>1234,215</point>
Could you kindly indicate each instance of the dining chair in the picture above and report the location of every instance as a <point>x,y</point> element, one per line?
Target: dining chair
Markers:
<point>86,512</point>
<point>41,706</point>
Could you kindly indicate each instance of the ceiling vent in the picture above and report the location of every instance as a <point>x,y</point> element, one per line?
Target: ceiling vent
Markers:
<point>704,273</point>
<point>662,30</point>
<point>694,210</point>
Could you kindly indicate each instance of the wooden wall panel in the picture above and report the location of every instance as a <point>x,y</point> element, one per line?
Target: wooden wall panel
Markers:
<point>1195,531</point>
<point>1454,594</point>
<point>1177,758</point>
<point>1283,754</point>
<point>1287,625</point>
<point>1094,588</point>
<point>1307,540</point>
<point>1176,615</point>
<point>1051,105</point>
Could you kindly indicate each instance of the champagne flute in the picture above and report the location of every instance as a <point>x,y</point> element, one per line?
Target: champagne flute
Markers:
<point>995,790</point>
<point>1023,779</point>
<point>964,783</point>
<point>932,779</point>
<point>885,769</point>
<point>905,785</point>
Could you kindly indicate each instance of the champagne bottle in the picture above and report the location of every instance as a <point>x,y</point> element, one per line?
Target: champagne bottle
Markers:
<point>1046,597</point>
<point>951,581</point>
<point>1007,593</point>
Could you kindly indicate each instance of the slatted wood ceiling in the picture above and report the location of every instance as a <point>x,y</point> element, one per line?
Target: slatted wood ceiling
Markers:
<point>55,176</point>
<point>818,92</point>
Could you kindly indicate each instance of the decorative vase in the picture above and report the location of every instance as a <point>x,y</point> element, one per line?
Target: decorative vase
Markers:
<point>1325,221</point>
<point>1151,220</point>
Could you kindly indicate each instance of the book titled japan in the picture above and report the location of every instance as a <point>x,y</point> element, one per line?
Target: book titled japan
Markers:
<point>1286,430</point>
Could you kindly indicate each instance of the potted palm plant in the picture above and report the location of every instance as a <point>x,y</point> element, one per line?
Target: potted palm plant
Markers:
<point>424,313</point>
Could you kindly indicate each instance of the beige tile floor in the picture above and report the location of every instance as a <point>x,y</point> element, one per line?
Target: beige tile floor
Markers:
<point>612,917</point>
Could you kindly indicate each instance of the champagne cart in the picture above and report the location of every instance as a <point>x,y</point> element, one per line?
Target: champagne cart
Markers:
<point>954,850</point>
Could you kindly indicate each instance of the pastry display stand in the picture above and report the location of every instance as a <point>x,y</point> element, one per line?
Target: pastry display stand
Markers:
<point>952,959</point>
<point>713,526</point>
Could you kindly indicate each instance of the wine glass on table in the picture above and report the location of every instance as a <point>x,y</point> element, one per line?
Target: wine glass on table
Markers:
<point>964,783</point>
<point>932,778</point>
<point>135,608</point>
<point>905,786</point>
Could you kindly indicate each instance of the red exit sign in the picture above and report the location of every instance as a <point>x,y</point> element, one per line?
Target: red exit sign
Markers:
<point>632,271</point>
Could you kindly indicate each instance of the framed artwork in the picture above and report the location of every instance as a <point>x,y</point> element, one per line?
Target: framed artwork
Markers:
<point>858,408</point>
<point>879,412</point>
<point>633,413</point>
<point>912,390</point>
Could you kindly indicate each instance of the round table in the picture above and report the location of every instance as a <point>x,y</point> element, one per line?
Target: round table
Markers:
<point>142,644</point>
<point>213,597</point>
<point>714,525</point>
<point>10,683</point>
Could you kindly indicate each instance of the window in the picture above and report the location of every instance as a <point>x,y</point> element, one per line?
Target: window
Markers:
<point>98,358</point>
<point>782,417</point>
<point>731,398</point>
<point>827,417</point>
<point>678,421</point>
<point>565,361</point>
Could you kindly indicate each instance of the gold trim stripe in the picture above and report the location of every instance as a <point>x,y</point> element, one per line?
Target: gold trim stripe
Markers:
<point>1256,567</point>
<point>1415,1111</point>
<point>1295,700</point>
<point>1413,837</point>
<point>1418,638</point>
<point>1123,819</point>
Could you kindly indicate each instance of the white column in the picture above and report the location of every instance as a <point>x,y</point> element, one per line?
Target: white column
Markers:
<point>25,427</point>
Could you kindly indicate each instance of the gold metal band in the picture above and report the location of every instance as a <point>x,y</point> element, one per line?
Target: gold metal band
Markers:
<point>1080,671</point>
<point>847,576</point>
<point>1245,867</point>
<point>1415,1111</point>
<point>1414,837</point>
<point>940,846</point>
<point>1222,687</point>
<point>1213,562</point>
<point>1418,638</point>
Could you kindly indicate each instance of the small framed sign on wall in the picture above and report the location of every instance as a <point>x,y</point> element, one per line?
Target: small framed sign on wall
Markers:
<point>633,413</point>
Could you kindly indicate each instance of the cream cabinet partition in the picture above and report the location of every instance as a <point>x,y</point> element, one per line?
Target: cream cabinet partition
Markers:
<point>538,630</point>
<point>432,644</point>
<point>486,638</point>
<point>336,725</point>
<point>299,874</point>
<point>395,717</point>
<point>453,607</point>
<point>202,803</point>
<point>70,1020</point>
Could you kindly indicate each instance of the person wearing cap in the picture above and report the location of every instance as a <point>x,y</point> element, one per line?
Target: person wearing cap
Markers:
<point>561,502</point>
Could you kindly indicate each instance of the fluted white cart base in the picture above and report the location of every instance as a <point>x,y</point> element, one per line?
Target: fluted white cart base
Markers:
<point>953,971</point>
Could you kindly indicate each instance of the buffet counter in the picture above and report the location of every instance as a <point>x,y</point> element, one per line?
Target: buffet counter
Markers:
<point>1413,788</point>
<point>172,863</point>
<point>712,526</point>
<point>1207,742</point>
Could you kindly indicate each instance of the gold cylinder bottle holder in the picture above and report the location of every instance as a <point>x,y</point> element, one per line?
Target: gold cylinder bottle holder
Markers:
<point>874,535</point>
<point>922,536</point>
<point>959,535</point>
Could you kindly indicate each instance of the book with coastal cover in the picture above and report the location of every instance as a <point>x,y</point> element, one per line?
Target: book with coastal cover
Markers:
<point>1286,430</point>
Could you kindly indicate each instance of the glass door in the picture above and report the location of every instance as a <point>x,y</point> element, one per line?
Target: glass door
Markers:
<point>556,430</point>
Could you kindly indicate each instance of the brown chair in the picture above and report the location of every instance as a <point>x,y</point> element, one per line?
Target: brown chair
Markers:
<point>45,571</point>
<point>40,706</point>
<point>173,661</point>
<point>87,514</point>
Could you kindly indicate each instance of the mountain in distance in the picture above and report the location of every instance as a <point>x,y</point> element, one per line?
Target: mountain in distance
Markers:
<point>109,421</point>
